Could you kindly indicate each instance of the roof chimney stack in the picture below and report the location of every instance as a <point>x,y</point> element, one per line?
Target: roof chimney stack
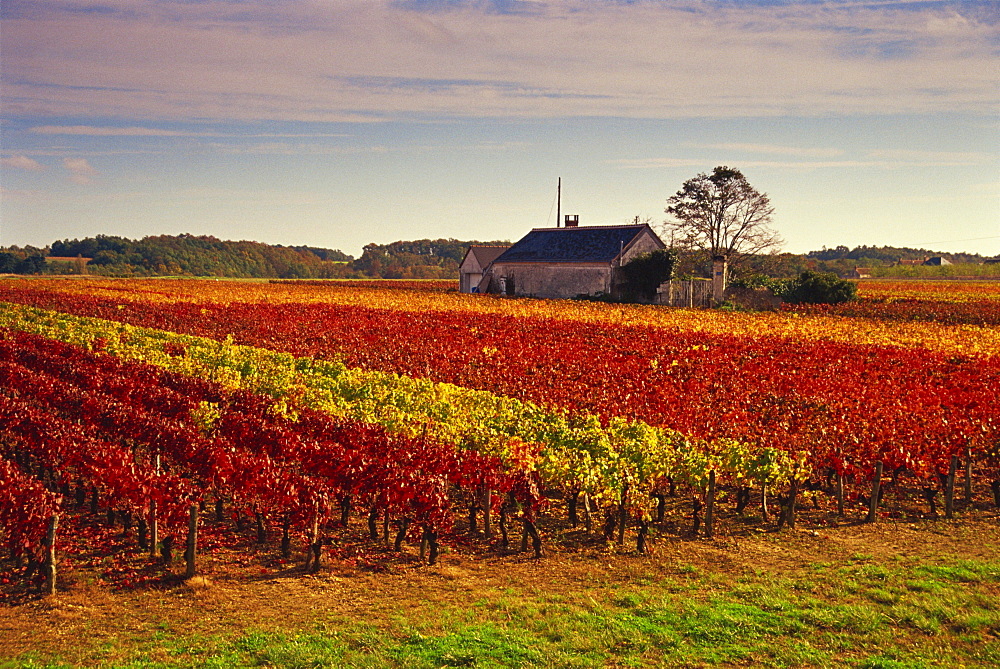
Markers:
<point>572,220</point>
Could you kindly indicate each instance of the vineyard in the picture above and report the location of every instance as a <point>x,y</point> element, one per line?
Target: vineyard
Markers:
<point>441,420</point>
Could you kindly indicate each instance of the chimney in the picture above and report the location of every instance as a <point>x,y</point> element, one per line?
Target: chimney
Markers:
<point>572,221</point>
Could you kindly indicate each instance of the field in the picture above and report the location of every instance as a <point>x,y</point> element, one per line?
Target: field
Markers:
<point>394,474</point>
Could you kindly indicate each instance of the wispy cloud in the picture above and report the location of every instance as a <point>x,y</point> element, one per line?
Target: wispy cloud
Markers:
<point>22,163</point>
<point>943,158</point>
<point>110,131</point>
<point>9,194</point>
<point>81,171</point>
<point>343,60</point>
<point>813,152</point>
<point>95,131</point>
<point>886,161</point>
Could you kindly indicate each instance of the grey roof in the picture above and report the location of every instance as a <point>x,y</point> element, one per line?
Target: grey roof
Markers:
<point>595,243</point>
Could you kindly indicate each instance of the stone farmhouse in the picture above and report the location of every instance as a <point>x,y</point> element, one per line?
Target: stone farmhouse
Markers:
<point>560,263</point>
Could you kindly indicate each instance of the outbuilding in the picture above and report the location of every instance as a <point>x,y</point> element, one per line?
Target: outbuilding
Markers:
<point>476,260</point>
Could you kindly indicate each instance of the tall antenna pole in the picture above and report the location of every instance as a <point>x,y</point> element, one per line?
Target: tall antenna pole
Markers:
<point>559,202</point>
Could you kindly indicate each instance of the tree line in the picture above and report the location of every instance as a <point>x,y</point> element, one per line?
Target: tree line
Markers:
<point>188,255</point>
<point>199,255</point>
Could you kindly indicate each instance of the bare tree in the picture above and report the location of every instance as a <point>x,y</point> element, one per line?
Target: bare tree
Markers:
<point>721,214</point>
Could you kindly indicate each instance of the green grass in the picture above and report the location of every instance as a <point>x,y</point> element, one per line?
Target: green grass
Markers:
<point>858,614</point>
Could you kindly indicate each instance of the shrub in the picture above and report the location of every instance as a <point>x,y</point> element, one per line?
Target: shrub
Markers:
<point>642,275</point>
<point>818,288</point>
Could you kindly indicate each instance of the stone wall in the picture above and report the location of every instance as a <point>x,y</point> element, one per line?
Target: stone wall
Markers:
<point>645,244</point>
<point>553,280</point>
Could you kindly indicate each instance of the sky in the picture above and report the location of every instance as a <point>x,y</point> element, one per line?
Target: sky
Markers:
<point>337,123</point>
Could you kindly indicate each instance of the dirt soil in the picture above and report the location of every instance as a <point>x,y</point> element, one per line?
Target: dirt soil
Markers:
<point>243,588</point>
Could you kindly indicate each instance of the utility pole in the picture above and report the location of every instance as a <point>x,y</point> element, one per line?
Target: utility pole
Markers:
<point>559,202</point>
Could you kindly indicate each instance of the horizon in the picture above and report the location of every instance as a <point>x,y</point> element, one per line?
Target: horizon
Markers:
<point>474,242</point>
<point>339,123</point>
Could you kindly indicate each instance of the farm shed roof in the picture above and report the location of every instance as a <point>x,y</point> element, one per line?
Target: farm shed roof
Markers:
<point>595,243</point>
<point>485,254</point>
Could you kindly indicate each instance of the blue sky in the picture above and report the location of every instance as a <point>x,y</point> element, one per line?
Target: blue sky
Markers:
<point>337,122</point>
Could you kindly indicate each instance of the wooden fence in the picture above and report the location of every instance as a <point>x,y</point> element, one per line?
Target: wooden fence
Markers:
<point>690,293</point>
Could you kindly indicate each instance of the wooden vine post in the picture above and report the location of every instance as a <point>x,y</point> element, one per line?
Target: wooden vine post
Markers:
<point>876,489</point>
<point>622,516</point>
<point>487,513</point>
<point>154,530</point>
<point>949,488</point>
<point>286,537</point>
<point>373,523</point>
<point>191,553</point>
<point>710,505</point>
<point>765,515</point>
<point>840,494</point>
<point>968,476</point>
<point>154,533</point>
<point>49,566</point>
<point>315,548</point>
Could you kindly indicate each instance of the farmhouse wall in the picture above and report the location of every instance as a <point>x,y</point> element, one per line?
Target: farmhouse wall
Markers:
<point>554,280</point>
<point>468,280</point>
<point>645,243</point>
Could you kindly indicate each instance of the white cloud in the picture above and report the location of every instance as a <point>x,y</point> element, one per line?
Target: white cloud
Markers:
<point>346,60</point>
<point>22,163</point>
<point>81,171</point>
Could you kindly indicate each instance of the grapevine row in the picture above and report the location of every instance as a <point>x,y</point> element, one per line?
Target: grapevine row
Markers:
<point>26,507</point>
<point>278,465</point>
<point>848,405</point>
<point>580,454</point>
<point>621,465</point>
<point>619,462</point>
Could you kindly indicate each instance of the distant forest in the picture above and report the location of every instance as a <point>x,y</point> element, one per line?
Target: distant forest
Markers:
<point>190,255</point>
<point>878,260</point>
